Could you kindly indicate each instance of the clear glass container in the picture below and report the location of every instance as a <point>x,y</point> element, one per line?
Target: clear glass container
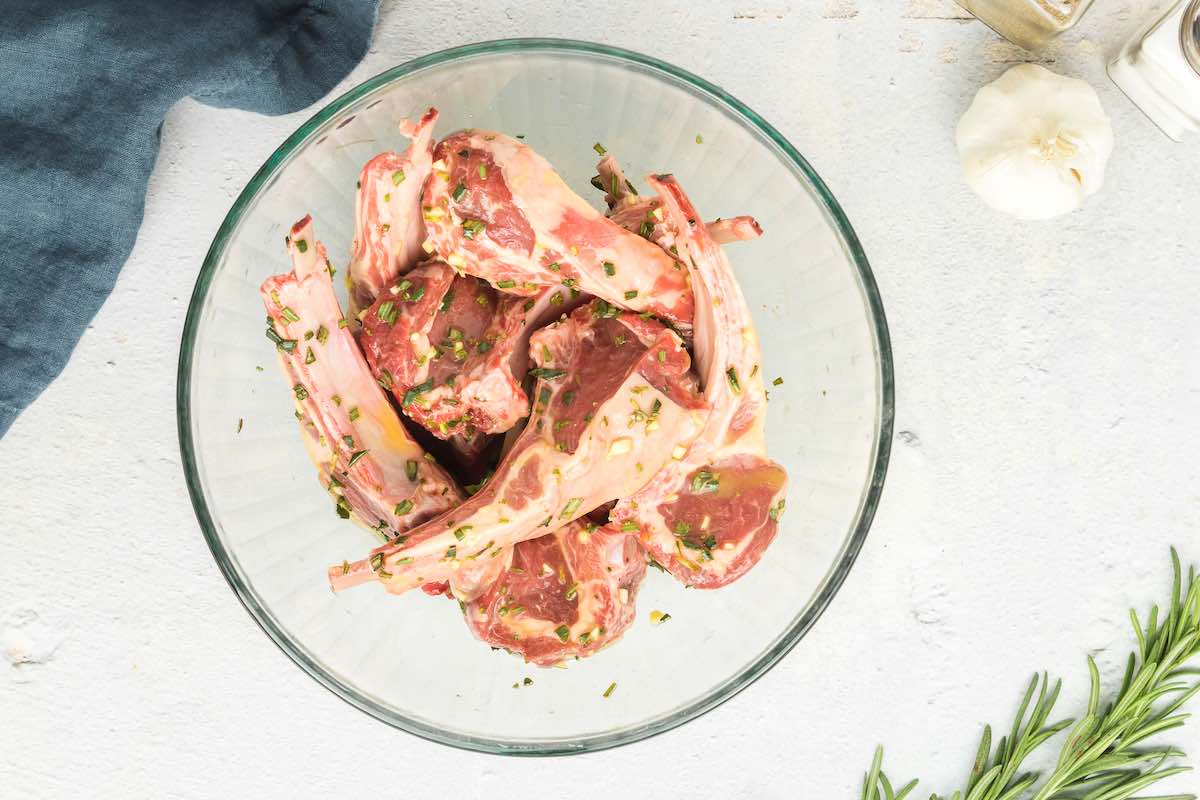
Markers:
<point>411,661</point>
<point>1028,23</point>
<point>1159,69</point>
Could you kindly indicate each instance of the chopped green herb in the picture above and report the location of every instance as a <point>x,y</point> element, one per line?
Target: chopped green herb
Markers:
<point>528,304</point>
<point>563,632</point>
<point>301,392</point>
<point>682,528</point>
<point>398,177</point>
<point>322,334</point>
<point>482,171</point>
<point>289,315</point>
<point>343,508</point>
<point>461,533</point>
<point>629,526</point>
<point>387,312</point>
<point>545,522</point>
<point>458,192</point>
<point>611,688</point>
<point>302,245</point>
<point>632,293</point>
<point>377,562</point>
<point>610,268</point>
<point>599,148</point>
<point>310,357</point>
<point>662,356</point>
<point>647,229</point>
<point>556,299</point>
<point>505,284</point>
<point>572,590</point>
<point>348,440</point>
<point>547,374</point>
<point>528,681</point>
<point>483,347</point>
<point>554,267</point>
<point>343,323</point>
<point>571,507</point>
<point>452,551</point>
<point>658,617</point>
<point>356,456</point>
<point>568,398</point>
<point>776,511</point>
<point>544,396</point>
<point>414,394</point>
<point>410,469</point>
<point>354,414</point>
<point>481,299</point>
<point>605,310</point>
<point>705,481</point>
<point>403,507</point>
<point>308,335</point>
<point>699,139</point>
<point>585,637</point>
<point>385,379</point>
<point>734,383</point>
<point>620,339</point>
<point>240,423</point>
<point>473,227</point>
<point>777,382</point>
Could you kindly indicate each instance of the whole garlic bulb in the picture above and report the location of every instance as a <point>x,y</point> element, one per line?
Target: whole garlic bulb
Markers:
<point>1033,143</point>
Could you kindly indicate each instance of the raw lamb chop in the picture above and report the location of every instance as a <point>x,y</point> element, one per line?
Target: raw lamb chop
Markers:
<point>454,351</point>
<point>365,457</point>
<point>566,593</point>
<point>708,516</point>
<point>642,215</point>
<point>495,209</point>
<point>387,215</point>
<point>614,402</point>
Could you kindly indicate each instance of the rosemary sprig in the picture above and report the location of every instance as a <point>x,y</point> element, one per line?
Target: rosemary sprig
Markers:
<point>1105,756</point>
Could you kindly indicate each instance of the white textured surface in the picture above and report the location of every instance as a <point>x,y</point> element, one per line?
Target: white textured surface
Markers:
<point>1047,453</point>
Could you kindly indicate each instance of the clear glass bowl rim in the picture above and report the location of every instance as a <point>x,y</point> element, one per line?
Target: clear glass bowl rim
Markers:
<point>721,693</point>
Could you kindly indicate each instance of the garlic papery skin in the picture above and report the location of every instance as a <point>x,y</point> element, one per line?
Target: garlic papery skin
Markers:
<point>1034,143</point>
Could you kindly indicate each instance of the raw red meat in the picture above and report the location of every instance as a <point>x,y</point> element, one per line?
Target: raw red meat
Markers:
<point>495,209</point>
<point>708,516</point>
<point>366,459</point>
<point>388,232</point>
<point>613,403</point>
<point>567,593</point>
<point>454,351</point>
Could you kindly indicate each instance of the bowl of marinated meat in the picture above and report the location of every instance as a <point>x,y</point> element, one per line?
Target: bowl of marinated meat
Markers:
<point>535,396</point>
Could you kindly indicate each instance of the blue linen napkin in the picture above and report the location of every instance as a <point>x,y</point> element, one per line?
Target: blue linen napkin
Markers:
<point>84,86</point>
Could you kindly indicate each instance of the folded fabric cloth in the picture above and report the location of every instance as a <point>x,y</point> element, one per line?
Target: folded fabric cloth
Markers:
<point>84,87</point>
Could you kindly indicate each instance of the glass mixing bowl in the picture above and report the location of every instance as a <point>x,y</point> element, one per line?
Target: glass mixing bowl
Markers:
<point>410,661</point>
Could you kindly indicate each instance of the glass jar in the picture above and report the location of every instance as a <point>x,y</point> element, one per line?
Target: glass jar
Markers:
<point>1028,23</point>
<point>1160,69</point>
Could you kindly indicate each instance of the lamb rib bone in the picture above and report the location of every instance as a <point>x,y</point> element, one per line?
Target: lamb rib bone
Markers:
<point>388,231</point>
<point>708,517</point>
<point>365,457</point>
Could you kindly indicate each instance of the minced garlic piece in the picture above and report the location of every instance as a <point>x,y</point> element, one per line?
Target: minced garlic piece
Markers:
<point>620,446</point>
